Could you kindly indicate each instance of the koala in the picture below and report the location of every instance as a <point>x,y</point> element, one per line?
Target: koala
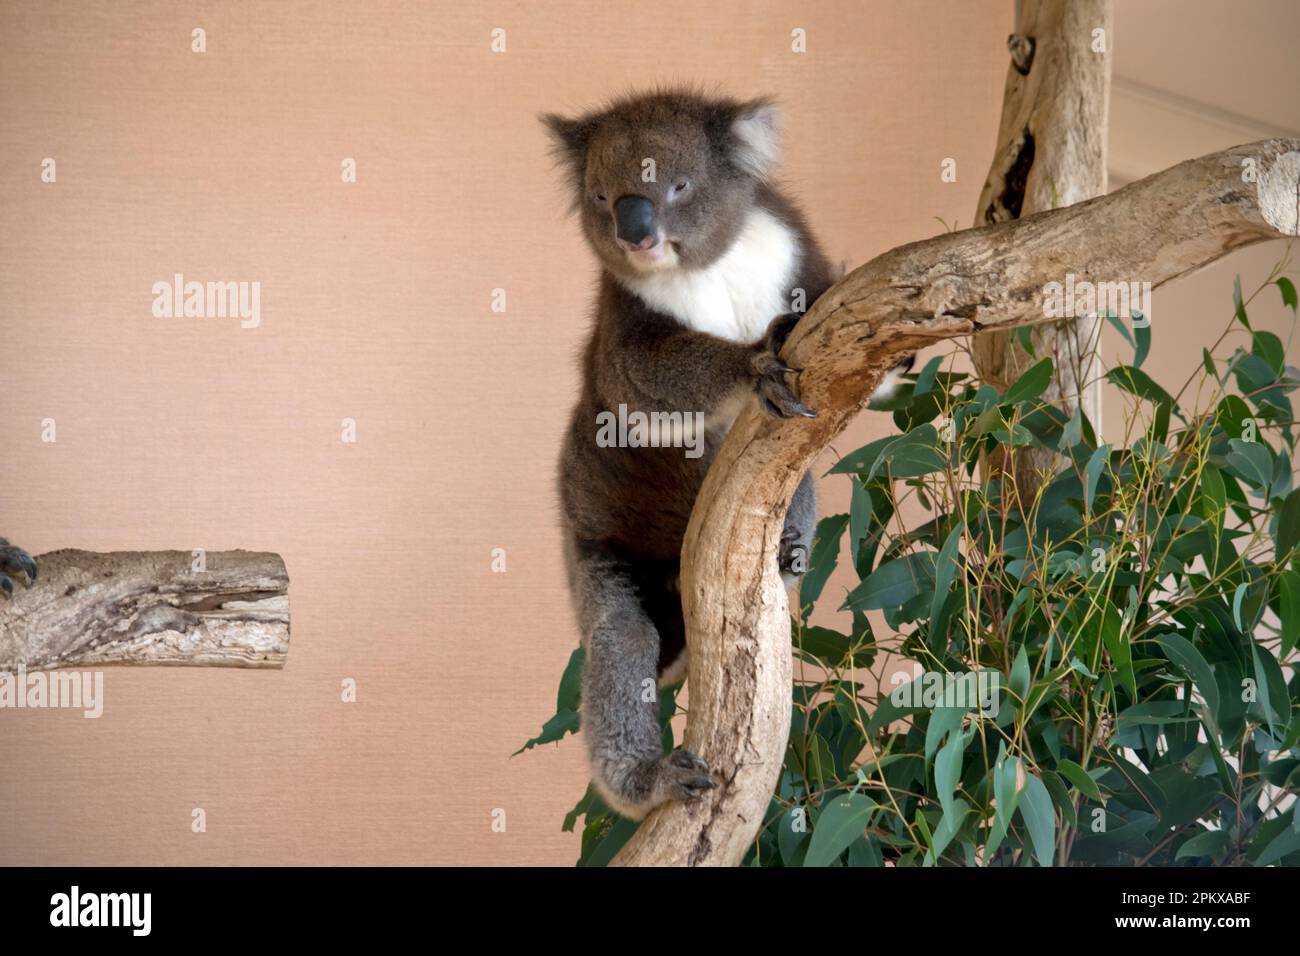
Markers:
<point>706,266</point>
<point>14,561</point>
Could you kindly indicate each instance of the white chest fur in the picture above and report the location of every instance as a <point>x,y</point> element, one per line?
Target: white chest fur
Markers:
<point>738,295</point>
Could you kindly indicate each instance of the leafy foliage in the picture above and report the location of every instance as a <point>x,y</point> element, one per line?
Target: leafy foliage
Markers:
<point>1124,634</point>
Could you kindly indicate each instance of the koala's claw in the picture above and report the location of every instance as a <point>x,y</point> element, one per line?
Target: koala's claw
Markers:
<point>683,776</point>
<point>774,395</point>
<point>792,557</point>
<point>14,561</point>
<point>688,760</point>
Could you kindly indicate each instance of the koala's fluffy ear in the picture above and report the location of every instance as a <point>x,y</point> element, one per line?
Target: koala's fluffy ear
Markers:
<point>755,130</point>
<point>569,140</point>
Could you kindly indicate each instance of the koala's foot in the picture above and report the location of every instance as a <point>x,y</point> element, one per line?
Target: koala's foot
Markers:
<point>774,396</point>
<point>680,775</point>
<point>792,558</point>
<point>794,552</point>
<point>14,562</point>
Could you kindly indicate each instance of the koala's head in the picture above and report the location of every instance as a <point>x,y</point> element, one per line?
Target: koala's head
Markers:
<point>664,180</point>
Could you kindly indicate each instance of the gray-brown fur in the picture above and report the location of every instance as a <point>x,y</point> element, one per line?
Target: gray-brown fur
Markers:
<point>625,509</point>
<point>15,562</point>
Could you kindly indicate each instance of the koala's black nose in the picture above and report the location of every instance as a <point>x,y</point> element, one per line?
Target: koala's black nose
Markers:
<point>635,219</point>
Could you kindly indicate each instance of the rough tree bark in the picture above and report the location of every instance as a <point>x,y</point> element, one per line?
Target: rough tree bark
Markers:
<point>148,607</point>
<point>1051,152</point>
<point>738,626</point>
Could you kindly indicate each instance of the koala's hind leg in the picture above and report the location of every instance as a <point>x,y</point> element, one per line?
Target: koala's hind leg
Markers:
<point>797,535</point>
<point>620,694</point>
<point>14,562</point>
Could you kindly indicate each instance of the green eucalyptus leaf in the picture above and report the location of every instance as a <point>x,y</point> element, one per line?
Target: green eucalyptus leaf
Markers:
<point>1040,819</point>
<point>1079,777</point>
<point>821,762</point>
<point>1092,473</point>
<point>1191,662</point>
<point>825,553</point>
<point>610,843</point>
<point>1239,307</point>
<point>859,514</point>
<point>1139,383</point>
<point>1289,584</point>
<point>841,822</point>
<point>912,455</point>
<point>954,815</point>
<point>1072,434</point>
<point>1234,417</point>
<point>1269,348</point>
<point>570,691</point>
<point>1287,288</point>
<point>945,570</point>
<point>1207,360</point>
<point>1031,384</point>
<point>895,582</point>
<point>1117,646</point>
<point>947,768</point>
<point>1252,461</point>
<point>1266,680</point>
<point>864,459</point>
<point>1288,526</point>
<point>590,806</point>
<point>925,381</point>
<point>1020,675</point>
<point>1157,712</point>
<point>1212,843</point>
<point>1273,848</point>
<point>1060,795</point>
<point>792,835</point>
<point>831,648</point>
<point>1008,786</point>
<point>561,725</point>
<point>1142,335</point>
<point>865,852</point>
<point>942,721</point>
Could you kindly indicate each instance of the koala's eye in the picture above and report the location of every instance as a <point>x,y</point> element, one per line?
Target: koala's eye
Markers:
<point>681,187</point>
<point>599,197</point>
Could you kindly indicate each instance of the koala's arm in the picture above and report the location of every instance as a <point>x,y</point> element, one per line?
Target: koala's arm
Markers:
<point>674,368</point>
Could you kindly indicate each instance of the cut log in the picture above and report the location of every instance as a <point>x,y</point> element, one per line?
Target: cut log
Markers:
<point>89,609</point>
<point>737,619</point>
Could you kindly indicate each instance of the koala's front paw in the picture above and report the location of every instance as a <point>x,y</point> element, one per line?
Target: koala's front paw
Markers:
<point>681,776</point>
<point>774,396</point>
<point>778,330</point>
<point>14,561</point>
<point>792,558</point>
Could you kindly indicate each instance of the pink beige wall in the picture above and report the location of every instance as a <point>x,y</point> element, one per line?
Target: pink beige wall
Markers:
<point>375,306</point>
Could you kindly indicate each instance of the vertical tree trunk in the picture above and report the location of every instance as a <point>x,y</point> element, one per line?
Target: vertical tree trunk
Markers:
<point>1051,152</point>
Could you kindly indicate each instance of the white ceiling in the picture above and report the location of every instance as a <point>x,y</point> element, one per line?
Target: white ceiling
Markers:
<point>1195,76</point>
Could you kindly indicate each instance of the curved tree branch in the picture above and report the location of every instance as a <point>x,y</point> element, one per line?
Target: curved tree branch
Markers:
<point>738,625</point>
